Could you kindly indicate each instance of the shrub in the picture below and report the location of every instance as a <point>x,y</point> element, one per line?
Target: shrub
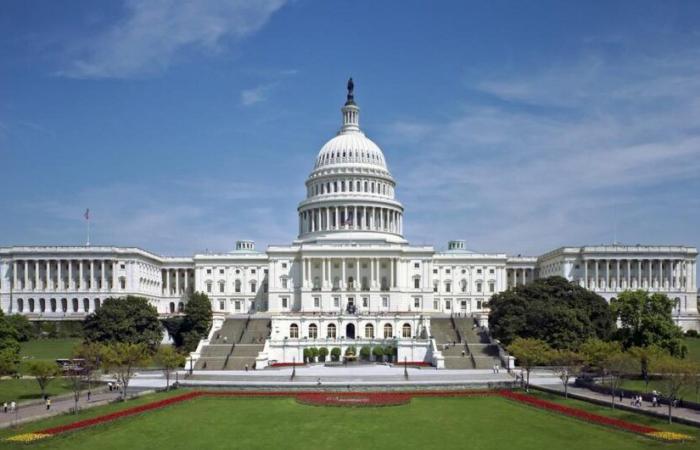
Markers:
<point>307,354</point>
<point>691,333</point>
<point>335,354</point>
<point>378,353</point>
<point>322,353</point>
<point>365,351</point>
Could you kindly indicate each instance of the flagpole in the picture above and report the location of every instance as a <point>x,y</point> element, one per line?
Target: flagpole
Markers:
<point>88,232</point>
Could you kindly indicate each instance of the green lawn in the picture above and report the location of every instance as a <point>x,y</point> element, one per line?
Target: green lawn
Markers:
<point>476,423</point>
<point>693,345</point>
<point>26,389</point>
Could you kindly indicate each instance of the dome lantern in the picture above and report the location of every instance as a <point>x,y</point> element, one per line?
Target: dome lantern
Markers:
<point>351,112</point>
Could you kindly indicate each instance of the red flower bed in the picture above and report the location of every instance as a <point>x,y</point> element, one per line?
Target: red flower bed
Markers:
<point>578,413</point>
<point>354,399</point>
<point>413,363</point>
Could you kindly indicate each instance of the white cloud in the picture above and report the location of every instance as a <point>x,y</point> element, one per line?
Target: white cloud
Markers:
<point>574,151</point>
<point>257,94</point>
<point>154,32</point>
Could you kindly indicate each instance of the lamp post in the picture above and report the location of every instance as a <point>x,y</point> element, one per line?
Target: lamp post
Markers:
<point>294,367</point>
<point>191,365</point>
<point>405,368</point>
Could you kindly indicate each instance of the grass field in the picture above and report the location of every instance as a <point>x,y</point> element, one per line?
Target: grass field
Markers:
<point>693,345</point>
<point>479,423</point>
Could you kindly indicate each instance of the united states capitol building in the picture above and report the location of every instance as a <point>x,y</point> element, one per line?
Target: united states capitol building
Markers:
<point>350,277</point>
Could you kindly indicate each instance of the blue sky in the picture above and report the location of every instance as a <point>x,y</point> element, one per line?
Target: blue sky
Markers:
<point>184,126</point>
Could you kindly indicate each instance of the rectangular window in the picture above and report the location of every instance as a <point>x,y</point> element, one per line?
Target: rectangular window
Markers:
<point>284,265</point>
<point>416,302</point>
<point>436,305</point>
<point>385,302</point>
<point>284,283</point>
<point>285,302</point>
<point>492,287</point>
<point>416,265</point>
<point>448,287</point>
<point>365,302</point>
<point>122,283</point>
<point>237,305</point>
<point>252,271</point>
<point>222,305</point>
<point>448,304</point>
<point>478,287</point>
<point>416,283</point>
<point>336,302</point>
<point>491,271</point>
<point>317,302</point>
<point>221,287</point>
<point>209,288</point>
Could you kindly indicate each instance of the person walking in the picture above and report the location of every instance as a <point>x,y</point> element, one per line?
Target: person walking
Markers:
<point>48,404</point>
<point>89,394</point>
<point>13,406</point>
<point>4,407</point>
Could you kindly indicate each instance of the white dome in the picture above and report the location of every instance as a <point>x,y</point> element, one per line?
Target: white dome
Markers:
<point>350,148</point>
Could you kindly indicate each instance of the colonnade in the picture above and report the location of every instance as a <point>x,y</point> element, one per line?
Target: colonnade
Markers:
<point>350,275</point>
<point>519,276</point>
<point>177,281</point>
<point>661,273</point>
<point>363,218</point>
<point>64,275</point>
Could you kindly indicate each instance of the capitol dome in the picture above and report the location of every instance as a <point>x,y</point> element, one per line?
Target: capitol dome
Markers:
<point>350,191</point>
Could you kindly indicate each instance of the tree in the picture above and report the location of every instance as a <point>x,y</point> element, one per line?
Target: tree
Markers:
<point>618,364</point>
<point>553,310</point>
<point>168,359</point>
<point>644,356</point>
<point>596,352</point>
<point>675,374</point>
<point>645,319</point>
<point>90,354</point>
<point>122,359</point>
<point>187,331</point>
<point>335,353</point>
<point>9,346</point>
<point>567,364</point>
<point>127,320</point>
<point>365,351</point>
<point>529,353</point>
<point>378,352</point>
<point>322,354</point>
<point>25,330</point>
<point>43,372</point>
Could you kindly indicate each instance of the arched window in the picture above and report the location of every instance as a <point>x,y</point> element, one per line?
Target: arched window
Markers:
<point>86,304</point>
<point>331,331</point>
<point>237,285</point>
<point>313,331</point>
<point>20,305</point>
<point>222,286</point>
<point>253,287</point>
<point>369,331</point>
<point>406,330</point>
<point>463,285</point>
<point>416,282</point>
<point>172,307</point>
<point>75,304</point>
<point>97,304</point>
<point>180,307</point>
<point>64,304</point>
<point>448,286</point>
<point>294,331</point>
<point>42,305</point>
<point>388,331</point>
<point>31,305</point>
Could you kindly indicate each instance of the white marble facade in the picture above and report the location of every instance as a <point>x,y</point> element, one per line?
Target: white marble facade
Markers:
<point>350,254</point>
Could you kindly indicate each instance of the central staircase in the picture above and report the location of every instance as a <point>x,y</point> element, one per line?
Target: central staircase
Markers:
<point>463,345</point>
<point>236,345</point>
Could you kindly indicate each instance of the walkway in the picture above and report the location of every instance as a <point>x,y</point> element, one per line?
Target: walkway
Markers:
<point>34,410</point>
<point>548,380</point>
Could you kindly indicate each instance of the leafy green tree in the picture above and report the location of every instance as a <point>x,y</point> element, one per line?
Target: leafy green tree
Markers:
<point>365,351</point>
<point>567,364</point>
<point>24,328</point>
<point>675,375</point>
<point>596,352</point>
<point>644,356</point>
<point>169,359</point>
<point>322,354</point>
<point>194,326</point>
<point>645,319</point>
<point>129,320</point>
<point>43,372</point>
<point>122,359</point>
<point>554,310</point>
<point>335,353</point>
<point>529,353</point>
<point>9,346</point>
<point>378,352</point>
<point>617,365</point>
<point>91,355</point>
<point>307,355</point>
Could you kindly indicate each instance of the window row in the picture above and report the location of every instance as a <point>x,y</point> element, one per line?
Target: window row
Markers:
<point>53,305</point>
<point>332,331</point>
<point>363,186</point>
<point>237,286</point>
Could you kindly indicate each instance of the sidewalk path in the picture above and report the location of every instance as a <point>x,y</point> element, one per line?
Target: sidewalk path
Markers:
<point>31,411</point>
<point>549,381</point>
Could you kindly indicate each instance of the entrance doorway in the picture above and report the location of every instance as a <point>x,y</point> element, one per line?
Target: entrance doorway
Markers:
<point>350,331</point>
